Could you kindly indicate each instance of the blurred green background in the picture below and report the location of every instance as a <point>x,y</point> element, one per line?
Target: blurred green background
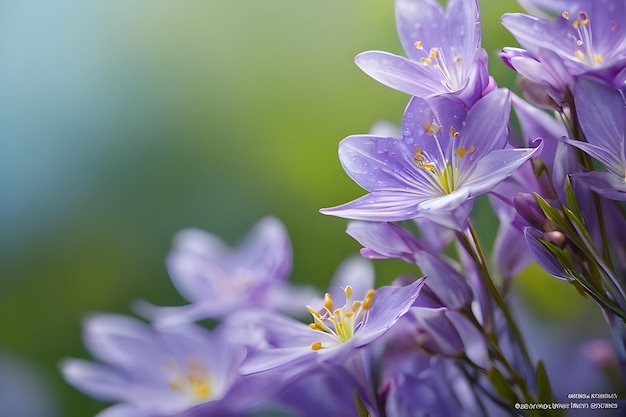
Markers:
<point>122,122</point>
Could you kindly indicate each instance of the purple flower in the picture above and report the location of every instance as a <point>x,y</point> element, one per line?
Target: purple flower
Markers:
<point>445,287</point>
<point>343,322</point>
<point>218,280</point>
<point>588,38</point>
<point>184,372</point>
<point>602,114</point>
<point>445,157</point>
<point>443,48</point>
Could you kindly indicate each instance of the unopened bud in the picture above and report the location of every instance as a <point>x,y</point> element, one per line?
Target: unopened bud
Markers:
<point>527,207</point>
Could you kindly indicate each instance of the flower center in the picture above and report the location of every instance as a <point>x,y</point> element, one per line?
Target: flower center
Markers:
<point>193,380</point>
<point>582,36</point>
<point>445,180</point>
<point>450,70</point>
<point>342,323</point>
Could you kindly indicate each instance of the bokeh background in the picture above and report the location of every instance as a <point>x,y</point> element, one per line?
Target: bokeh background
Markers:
<point>122,122</point>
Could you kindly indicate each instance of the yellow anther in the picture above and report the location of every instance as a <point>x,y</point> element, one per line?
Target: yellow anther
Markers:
<point>453,132</point>
<point>583,18</point>
<point>349,314</point>
<point>313,326</point>
<point>471,149</point>
<point>457,59</point>
<point>315,313</point>
<point>599,58</point>
<point>418,151</point>
<point>575,24</point>
<point>355,306</point>
<point>316,345</point>
<point>419,45</point>
<point>418,158</point>
<point>434,52</point>
<point>328,302</point>
<point>436,128</point>
<point>461,152</point>
<point>202,390</point>
<point>579,42</point>
<point>580,55</point>
<point>565,15</point>
<point>348,291</point>
<point>369,299</point>
<point>426,61</point>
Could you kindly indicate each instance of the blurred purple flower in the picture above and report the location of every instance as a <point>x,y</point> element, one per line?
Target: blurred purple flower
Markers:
<point>184,372</point>
<point>217,279</point>
<point>443,48</point>
<point>338,328</point>
<point>445,158</point>
<point>589,38</point>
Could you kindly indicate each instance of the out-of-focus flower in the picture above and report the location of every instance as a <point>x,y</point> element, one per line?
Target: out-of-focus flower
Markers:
<point>601,111</point>
<point>217,279</point>
<point>445,158</point>
<point>444,52</point>
<point>350,317</point>
<point>588,38</point>
<point>148,372</point>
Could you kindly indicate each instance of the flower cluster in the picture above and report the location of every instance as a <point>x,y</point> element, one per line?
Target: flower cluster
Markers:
<point>446,344</point>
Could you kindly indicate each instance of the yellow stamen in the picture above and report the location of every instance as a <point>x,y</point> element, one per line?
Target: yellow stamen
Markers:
<point>599,58</point>
<point>461,152</point>
<point>328,302</point>
<point>565,15</point>
<point>348,291</point>
<point>369,299</point>
<point>419,45</point>
<point>471,149</point>
<point>316,345</point>
<point>434,52</point>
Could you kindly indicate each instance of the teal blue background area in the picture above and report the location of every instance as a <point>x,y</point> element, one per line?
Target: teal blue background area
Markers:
<point>122,122</point>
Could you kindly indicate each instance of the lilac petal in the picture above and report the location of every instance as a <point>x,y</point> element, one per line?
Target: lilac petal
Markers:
<point>98,381</point>
<point>463,24</point>
<point>601,112</point>
<point>445,202</point>
<point>534,33</point>
<point>401,73</point>
<point>418,21</point>
<point>441,333</point>
<point>495,107</point>
<point>124,410</point>
<point>373,163</point>
<point>390,303</point>
<point>116,339</point>
<point>510,251</point>
<point>606,184</point>
<point>379,206</point>
<point>612,161</point>
<point>544,68</point>
<point>386,239</point>
<point>495,167</point>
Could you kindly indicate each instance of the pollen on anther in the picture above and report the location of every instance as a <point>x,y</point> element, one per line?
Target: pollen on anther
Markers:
<point>599,59</point>
<point>461,152</point>
<point>369,299</point>
<point>419,45</point>
<point>453,132</point>
<point>328,302</point>
<point>565,15</point>
<point>471,149</point>
<point>316,345</point>
<point>426,61</point>
<point>434,52</point>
